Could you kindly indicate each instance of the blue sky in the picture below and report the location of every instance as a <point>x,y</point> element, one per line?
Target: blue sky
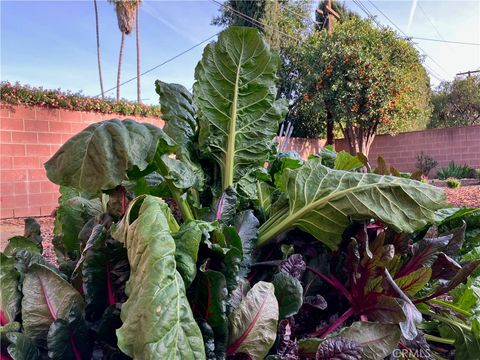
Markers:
<point>52,43</point>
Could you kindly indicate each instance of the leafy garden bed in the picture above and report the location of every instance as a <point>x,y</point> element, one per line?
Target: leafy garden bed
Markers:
<point>180,244</point>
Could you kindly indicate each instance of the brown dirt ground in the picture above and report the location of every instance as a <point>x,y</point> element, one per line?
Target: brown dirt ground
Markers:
<point>13,227</point>
<point>468,196</point>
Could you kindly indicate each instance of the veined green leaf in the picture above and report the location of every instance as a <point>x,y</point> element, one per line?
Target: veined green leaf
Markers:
<point>74,211</point>
<point>345,161</point>
<point>253,324</point>
<point>10,296</point>
<point>99,157</point>
<point>157,319</point>
<point>323,202</point>
<point>187,242</point>
<point>289,294</point>
<point>235,95</point>
<point>415,281</point>
<point>377,340</point>
<point>22,347</point>
<point>21,242</point>
<point>46,298</point>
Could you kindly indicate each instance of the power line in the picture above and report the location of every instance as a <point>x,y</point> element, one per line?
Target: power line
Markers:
<point>253,21</point>
<point>444,41</point>
<point>401,31</point>
<point>163,63</point>
<point>431,23</point>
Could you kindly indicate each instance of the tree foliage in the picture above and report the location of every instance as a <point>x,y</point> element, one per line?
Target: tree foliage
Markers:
<point>229,17</point>
<point>369,79</point>
<point>456,103</point>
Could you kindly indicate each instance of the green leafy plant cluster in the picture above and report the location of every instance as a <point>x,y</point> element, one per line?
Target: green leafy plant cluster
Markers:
<point>453,170</point>
<point>199,241</point>
<point>453,182</point>
<point>16,94</point>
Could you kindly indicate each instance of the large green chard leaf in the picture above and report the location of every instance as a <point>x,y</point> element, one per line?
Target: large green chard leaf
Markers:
<point>157,319</point>
<point>99,157</point>
<point>187,242</point>
<point>179,113</point>
<point>9,295</point>
<point>253,324</point>
<point>377,340</point>
<point>74,211</point>
<point>323,202</point>
<point>46,298</point>
<point>235,95</point>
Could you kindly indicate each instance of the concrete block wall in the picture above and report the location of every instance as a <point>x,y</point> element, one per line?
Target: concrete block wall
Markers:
<point>460,144</point>
<point>29,137</point>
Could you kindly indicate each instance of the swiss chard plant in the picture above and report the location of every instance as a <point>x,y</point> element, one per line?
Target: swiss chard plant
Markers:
<point>200,241</point>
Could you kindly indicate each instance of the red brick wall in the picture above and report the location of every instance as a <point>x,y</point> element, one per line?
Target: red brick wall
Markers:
<point>461,145</point>
<point>29,137</point>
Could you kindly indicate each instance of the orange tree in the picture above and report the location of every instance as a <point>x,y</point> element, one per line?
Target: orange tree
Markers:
<point>369,79</point>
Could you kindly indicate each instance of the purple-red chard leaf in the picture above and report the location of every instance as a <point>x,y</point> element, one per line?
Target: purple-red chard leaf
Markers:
<point>424,253</point>
<point>46,298</point>
<point>445,268</point>
<point>287,348</point>
<point>294,266</point>
<point>209,305</point>
<point>339,348</point>
<point>317,301</point>
<point>246,225</point>
<point>226,206</point>
<point>105,270</point>
<point>253,325</point>
<point>456,242</point>
<point>68,339</point>
<point>460,277</point>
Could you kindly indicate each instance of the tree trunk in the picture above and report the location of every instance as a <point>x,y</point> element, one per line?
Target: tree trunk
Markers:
<point>98,49</point>
<point>358,140</point>
<point>330,124</point>
<point>119,72</point>
<point>139,100</point>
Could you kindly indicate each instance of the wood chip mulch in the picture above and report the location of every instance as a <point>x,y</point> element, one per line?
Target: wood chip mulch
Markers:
<point>467,196</point>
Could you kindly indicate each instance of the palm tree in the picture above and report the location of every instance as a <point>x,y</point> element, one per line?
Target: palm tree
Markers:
<point>137,8</point>
<point>125,10</point>
<point>98,48</point>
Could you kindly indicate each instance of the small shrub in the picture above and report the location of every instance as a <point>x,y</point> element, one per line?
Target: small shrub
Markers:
<point>478,173</point>
<point>425,163</point>
<point>453,170</point>
<point>453,183</point>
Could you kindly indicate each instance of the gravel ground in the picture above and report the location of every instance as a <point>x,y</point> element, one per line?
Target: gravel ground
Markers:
<point>468,196</point>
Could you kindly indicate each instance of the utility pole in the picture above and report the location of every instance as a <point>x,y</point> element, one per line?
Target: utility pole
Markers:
<point>468,73</point>
<point>330,14</point>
